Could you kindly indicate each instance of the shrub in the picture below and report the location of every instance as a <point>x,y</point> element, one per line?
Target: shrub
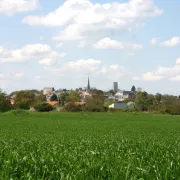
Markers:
<point>23,105</point>
<point>43,107</point>
<point>5,106</point>
<point>72,107</point>
<point>17,112</point>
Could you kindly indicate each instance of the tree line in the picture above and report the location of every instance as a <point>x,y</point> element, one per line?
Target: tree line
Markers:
<point>142,101</point>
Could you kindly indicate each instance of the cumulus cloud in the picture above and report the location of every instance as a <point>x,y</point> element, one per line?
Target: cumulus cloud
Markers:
<point>10,7</point>
<point>1,76</point>
<point>28,53</point>
<point>88,66</point>
<point>161,72</point>
<point>85,12</point>
<point>154,41</point>
<point>150,76</point>
<point>19,75</point>
<point>79,18</point>
<point>174,41</point>
<point>108,43</point>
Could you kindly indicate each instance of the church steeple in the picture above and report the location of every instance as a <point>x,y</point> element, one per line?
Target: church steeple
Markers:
<point>88,87</point>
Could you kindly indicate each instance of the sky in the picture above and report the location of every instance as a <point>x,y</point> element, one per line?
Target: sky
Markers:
<point>60,43</point>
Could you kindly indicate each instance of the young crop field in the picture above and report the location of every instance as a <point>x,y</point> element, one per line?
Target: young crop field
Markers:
<point>89,146</point>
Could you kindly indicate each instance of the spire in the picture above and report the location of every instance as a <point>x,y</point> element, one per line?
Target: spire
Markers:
<point>88,87</point>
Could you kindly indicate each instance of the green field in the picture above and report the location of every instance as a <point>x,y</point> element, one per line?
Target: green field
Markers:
<point>89,146</point>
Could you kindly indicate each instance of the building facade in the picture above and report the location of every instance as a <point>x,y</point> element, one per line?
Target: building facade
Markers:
<point>115,87</point>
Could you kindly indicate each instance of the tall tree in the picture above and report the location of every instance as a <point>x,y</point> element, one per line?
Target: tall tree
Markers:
<point>54,98</point>
<point>4,102</point>
<point>63,98</point>
<point>27,98</point>
<point>73,96</point>
<point>133,89</point>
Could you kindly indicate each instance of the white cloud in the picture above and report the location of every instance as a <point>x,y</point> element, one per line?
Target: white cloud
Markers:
<point>82,44</point>
<point>174,41</point>
<point>1,49</point>
<point>108,43</point>
<point>178,61</point>
<point>59,45</point>
<point>154,41</point>
<point>176,78</point>
<point>150,76</point>
<point>161,72</point>
<point>82,64</point>
<point>19,75</point>
<point>28,53</point>
<point>1,76</point>
<point>85,12</point>
<point>37,77</point>
<point>136,78</point>
<point>47,62</point>
<point>80,68</point>
<point>70,33</point>
<point>80,18</point>
<point>10,7</point>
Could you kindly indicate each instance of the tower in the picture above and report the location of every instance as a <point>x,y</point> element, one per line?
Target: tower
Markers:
<point>88,86</point>
<point>115,87</point>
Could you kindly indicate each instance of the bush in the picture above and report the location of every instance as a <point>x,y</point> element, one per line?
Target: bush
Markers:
<point>23,105</point>
<point>5,106</point>
<point>72,107</point>
<point>17,112</point>
<point>43,107</point>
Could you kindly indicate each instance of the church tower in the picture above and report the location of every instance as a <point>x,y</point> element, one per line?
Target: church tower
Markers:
<point>88,86</point>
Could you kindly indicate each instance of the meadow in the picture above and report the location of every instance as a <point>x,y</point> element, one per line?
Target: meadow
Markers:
<point>89,146</point>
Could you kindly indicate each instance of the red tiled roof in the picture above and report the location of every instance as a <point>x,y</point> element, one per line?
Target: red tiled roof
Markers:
<point>52,103</point>
<point>79,103</point>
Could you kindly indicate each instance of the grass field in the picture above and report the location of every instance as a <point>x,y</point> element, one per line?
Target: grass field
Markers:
<point>89,146</point>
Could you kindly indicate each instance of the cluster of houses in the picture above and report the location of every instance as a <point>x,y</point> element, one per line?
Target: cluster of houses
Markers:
<point>117,97</point>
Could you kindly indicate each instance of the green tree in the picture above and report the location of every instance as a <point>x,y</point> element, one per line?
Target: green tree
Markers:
<point>73,96</point>
<point>95,102</point>
<point>4,102</point>
<point>63,97</point>
<point>25,97</point>
<point>140,101</point>
<point>133,89</point>
<point>54,98</point>
<point>43,107</point>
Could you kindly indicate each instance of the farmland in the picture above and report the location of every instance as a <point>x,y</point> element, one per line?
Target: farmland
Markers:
<point>89,146</point>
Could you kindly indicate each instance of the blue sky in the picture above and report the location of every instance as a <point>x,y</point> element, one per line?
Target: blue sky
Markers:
<point>60,43</point>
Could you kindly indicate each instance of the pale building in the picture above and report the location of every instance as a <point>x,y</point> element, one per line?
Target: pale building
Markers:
<point>48,90</point>
<point>115,87</point>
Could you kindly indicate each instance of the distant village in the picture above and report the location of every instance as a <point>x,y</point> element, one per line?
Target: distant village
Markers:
<point>116,96</point>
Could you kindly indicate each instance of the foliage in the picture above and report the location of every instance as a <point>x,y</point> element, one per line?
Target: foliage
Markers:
<point>17,112</point>
<point>54,98</point>
<point>24,99</point>
<point>89,146</point>
<point>133,89</point>
<point>72,107</point>
<point>95,103</point>
<point>73,97</point>
<point>108,102</point>
<point>63,97</point>
<point>43,107</point>
<point>4,102</point>
<point>22,105</point>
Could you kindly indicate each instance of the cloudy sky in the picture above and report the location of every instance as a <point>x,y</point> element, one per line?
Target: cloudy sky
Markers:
<point>60,43</point>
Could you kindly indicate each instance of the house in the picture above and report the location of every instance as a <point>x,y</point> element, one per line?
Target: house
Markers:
<point>53,103</point>
<point>122,95</point>
<point>48,90</point>
<point>121,105</point>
